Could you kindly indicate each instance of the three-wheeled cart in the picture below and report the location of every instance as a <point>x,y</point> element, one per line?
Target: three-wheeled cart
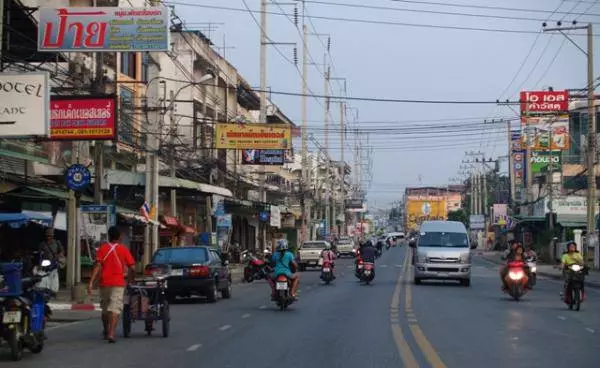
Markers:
<point>146,300</point>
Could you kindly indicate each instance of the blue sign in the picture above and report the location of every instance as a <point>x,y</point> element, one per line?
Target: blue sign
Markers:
<point>264,216</point>
<point>224,221</point>
<point>78,177</point>
<point>108,209</point>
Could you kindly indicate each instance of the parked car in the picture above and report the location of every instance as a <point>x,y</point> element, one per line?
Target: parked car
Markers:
<point>309,253</point>
<point>193,270</point>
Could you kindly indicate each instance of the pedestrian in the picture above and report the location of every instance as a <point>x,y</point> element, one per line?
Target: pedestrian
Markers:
<point>52,250</point>
<point>113,263</point>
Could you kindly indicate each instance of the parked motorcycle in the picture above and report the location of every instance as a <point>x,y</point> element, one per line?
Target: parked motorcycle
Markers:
<point>516,280</point>
<point>367,274</point>
<point>531,264</point>
<point>283,298</point>
<point>23,309</point>
<point>327,272</point>
<point>255,268</point>
<point>574,294</point>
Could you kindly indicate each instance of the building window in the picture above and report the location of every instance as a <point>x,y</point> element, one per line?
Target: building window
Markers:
<point>127,130</point>
<point>129,64</point>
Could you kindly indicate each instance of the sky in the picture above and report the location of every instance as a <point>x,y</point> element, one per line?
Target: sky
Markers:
<point>406,50</point>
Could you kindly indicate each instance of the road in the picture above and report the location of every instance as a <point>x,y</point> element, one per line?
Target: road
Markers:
<point>391,323</point>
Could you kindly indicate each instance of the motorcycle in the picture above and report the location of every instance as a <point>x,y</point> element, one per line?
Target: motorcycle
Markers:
<point>368,272</point>
<point>516,280</point>
<point>327,272</point>
<point>574,294</point>
<point>255,268</point>
<point>23,310</point>
<point>283,298</point>
<point>531,264</point>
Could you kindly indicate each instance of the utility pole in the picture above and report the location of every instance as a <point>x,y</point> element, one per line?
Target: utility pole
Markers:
<point>307,184</point>
<point>99,88</point>
<point>343,174</point>
<point>262,119</point>
<point>329,196</point>
<point>173,132</point>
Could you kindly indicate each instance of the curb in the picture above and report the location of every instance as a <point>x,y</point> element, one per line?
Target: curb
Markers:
<point>593,285</point>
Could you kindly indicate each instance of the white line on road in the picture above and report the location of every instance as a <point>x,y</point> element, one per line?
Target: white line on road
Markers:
<point>262,307</point>
<point>562,318</point>
<point>224,327</point>
<point>590,330</point>
<point>383,266</point>
<point>194,347</point>
<point>308,287</point>
<point>245,315</point>
<point>398,266</point>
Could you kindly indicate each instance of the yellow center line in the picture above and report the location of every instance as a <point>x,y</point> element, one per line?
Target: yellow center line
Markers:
<point>430,354</point>
<point>406,354</point>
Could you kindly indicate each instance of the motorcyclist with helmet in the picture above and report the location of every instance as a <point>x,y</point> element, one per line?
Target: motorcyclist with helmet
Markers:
<point>328,256</point>
<point>283,262</point>
<point>366,253</point>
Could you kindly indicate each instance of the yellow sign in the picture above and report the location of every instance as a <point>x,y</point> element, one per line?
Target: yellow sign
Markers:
<point>253,136</point>
<point>418,211</point>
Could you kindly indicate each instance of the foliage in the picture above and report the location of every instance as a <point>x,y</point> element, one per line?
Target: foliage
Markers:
<point>459,215</point>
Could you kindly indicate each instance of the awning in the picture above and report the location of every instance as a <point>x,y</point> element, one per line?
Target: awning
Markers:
<point>188,230</point>
<point>19,219</point>
<point>60,220</point>
<point>42,194</point>
<point>170,221</point>
<point>572,220</point>
<point>139,218</point>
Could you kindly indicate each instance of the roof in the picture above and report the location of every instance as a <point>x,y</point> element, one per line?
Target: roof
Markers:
<point>443,226</point>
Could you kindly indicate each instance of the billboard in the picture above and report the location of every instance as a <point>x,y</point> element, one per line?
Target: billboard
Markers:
<point>104,29</point>
<point>83,118</point>
<point>256,136</point>
<point>544,102</point>
<point>418,211</point>
<point>477,222</point>
<point>266,157</point>
<point>516,143</point>
<point>500,214</point>
<point>518,172</point>
<point>540,161</point>
<point>547,132</point>
<point>24,104</point>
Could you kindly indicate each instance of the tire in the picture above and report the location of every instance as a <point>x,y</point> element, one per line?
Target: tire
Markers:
<point>533,279</point>
<point>226,293</point>
<point>212,294</point>
<point>417,281</point>
<point>40,346</point>
<point>166,322</point>
<point>126,321</point>
<point>466,282</point>
<point>576,298</point>
<point>15,345</point>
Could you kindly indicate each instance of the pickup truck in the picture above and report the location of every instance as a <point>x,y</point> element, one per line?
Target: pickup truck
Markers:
<point>345,247</point>
<point>309,253</point>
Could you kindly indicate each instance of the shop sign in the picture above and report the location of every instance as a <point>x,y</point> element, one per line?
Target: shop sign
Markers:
<point>265,157</point>
<point>275,218</point>
<point>83,118</point>
<point>540,161</point>
<point>24,104</point>
<point>545,133</point>
<point>104,29</point>
<point>224,221</point>
<point>533,102</point>
<point>253,136</point>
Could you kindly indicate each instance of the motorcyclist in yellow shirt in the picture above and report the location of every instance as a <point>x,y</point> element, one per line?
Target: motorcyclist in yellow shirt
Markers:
<point>569,258</point>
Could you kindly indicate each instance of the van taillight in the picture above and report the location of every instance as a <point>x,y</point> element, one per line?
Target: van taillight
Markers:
<point>199,271</point>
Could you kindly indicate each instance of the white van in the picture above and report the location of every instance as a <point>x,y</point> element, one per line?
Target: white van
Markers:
<point>442,251</point>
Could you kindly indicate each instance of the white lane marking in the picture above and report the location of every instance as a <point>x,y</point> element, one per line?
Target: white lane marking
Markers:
<point>224,327</point>
<point>515,338</point>
<point>262,307</point>
<point>562,318</point>
<point>308,287</point>
<point>194,347</point>
<point>63,325</point>
<point>590,330</point>
<point>245,315</point>
<point>383,266</point>
<point>398,266</point>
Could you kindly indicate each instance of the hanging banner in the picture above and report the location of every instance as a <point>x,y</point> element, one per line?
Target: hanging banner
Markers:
<point>81,118</point>
<point>545,132</point>
<point>253,136</point>
<point>104,29</point>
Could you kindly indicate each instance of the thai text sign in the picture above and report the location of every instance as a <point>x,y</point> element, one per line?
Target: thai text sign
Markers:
<point>263,157</point>
<point>104,29</point>
<point>82,118</point>
<point>540,161</point>
<point>422,210</point>
<point>544,133</point>
<point>257,136</point>
<point>544,102</point>
<point>24,103</point>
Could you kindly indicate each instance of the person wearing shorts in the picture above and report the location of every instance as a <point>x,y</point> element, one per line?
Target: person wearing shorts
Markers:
<point>113,260</point>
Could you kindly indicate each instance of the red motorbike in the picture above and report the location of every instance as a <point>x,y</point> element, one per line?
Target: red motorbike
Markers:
<point>327,272</point>
<point>255,268</point>
<point>516,280</point>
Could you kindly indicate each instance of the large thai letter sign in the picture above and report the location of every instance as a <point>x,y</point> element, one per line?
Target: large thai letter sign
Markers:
<point>544,102</point>
<point>104,29</point>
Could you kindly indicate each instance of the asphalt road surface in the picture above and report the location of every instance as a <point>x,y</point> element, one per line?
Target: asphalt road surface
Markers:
<point>391,323</point>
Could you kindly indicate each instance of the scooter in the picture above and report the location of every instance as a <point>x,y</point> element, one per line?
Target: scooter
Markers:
<point>327,272</point>
<point>516,280</point>
<point>368,273</point>
<point>532,265</point>
<point>23,312</point>
<point>283,297</point>
<point>574,294</point>
<point>255,268</point>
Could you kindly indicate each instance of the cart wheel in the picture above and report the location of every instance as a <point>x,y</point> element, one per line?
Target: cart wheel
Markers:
<point>126,321</point>
<point>166,319</point>
<point>149,326</point>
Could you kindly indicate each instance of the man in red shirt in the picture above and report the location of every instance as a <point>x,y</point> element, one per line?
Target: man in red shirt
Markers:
<point>112,261</point>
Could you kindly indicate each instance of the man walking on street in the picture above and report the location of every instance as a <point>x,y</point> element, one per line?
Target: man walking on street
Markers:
<point>112,261</point>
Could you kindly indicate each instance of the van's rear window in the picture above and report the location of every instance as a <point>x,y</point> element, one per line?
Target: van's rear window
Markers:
<point>441,239</point>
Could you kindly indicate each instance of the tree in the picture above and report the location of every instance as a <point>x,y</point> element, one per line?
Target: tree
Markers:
<point>459,215</point>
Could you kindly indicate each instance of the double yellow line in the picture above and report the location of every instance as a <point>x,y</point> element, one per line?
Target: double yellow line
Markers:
<point>406,353</point>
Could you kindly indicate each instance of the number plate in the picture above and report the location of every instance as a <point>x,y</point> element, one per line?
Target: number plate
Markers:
<point>176,272</point>
<point>282,286</point>
<point>442,274</point>
<point>11,317</point>
<point>367,272</point>
<point>326,270</point>
<point>360,266</point>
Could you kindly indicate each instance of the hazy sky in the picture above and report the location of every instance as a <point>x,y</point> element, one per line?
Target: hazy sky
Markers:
<point>392,60</point>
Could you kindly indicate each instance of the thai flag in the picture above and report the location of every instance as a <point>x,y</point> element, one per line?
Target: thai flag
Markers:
<point>145,210</point>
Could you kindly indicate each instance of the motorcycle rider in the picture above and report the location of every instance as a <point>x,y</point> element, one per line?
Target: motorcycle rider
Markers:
<point>510,256</point>
<point>569,258</point>
<point>366,253</point>
<point>328,256</point>
<point>284,263</point>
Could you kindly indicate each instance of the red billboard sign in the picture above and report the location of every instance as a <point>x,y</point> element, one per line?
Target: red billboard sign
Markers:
<point>540,102</point>
<point>80,118</point>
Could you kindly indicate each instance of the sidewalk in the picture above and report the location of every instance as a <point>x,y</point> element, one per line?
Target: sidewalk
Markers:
<point>592,279</point>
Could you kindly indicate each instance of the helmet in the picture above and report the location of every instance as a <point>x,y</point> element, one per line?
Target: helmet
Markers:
<point>282,244</point>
